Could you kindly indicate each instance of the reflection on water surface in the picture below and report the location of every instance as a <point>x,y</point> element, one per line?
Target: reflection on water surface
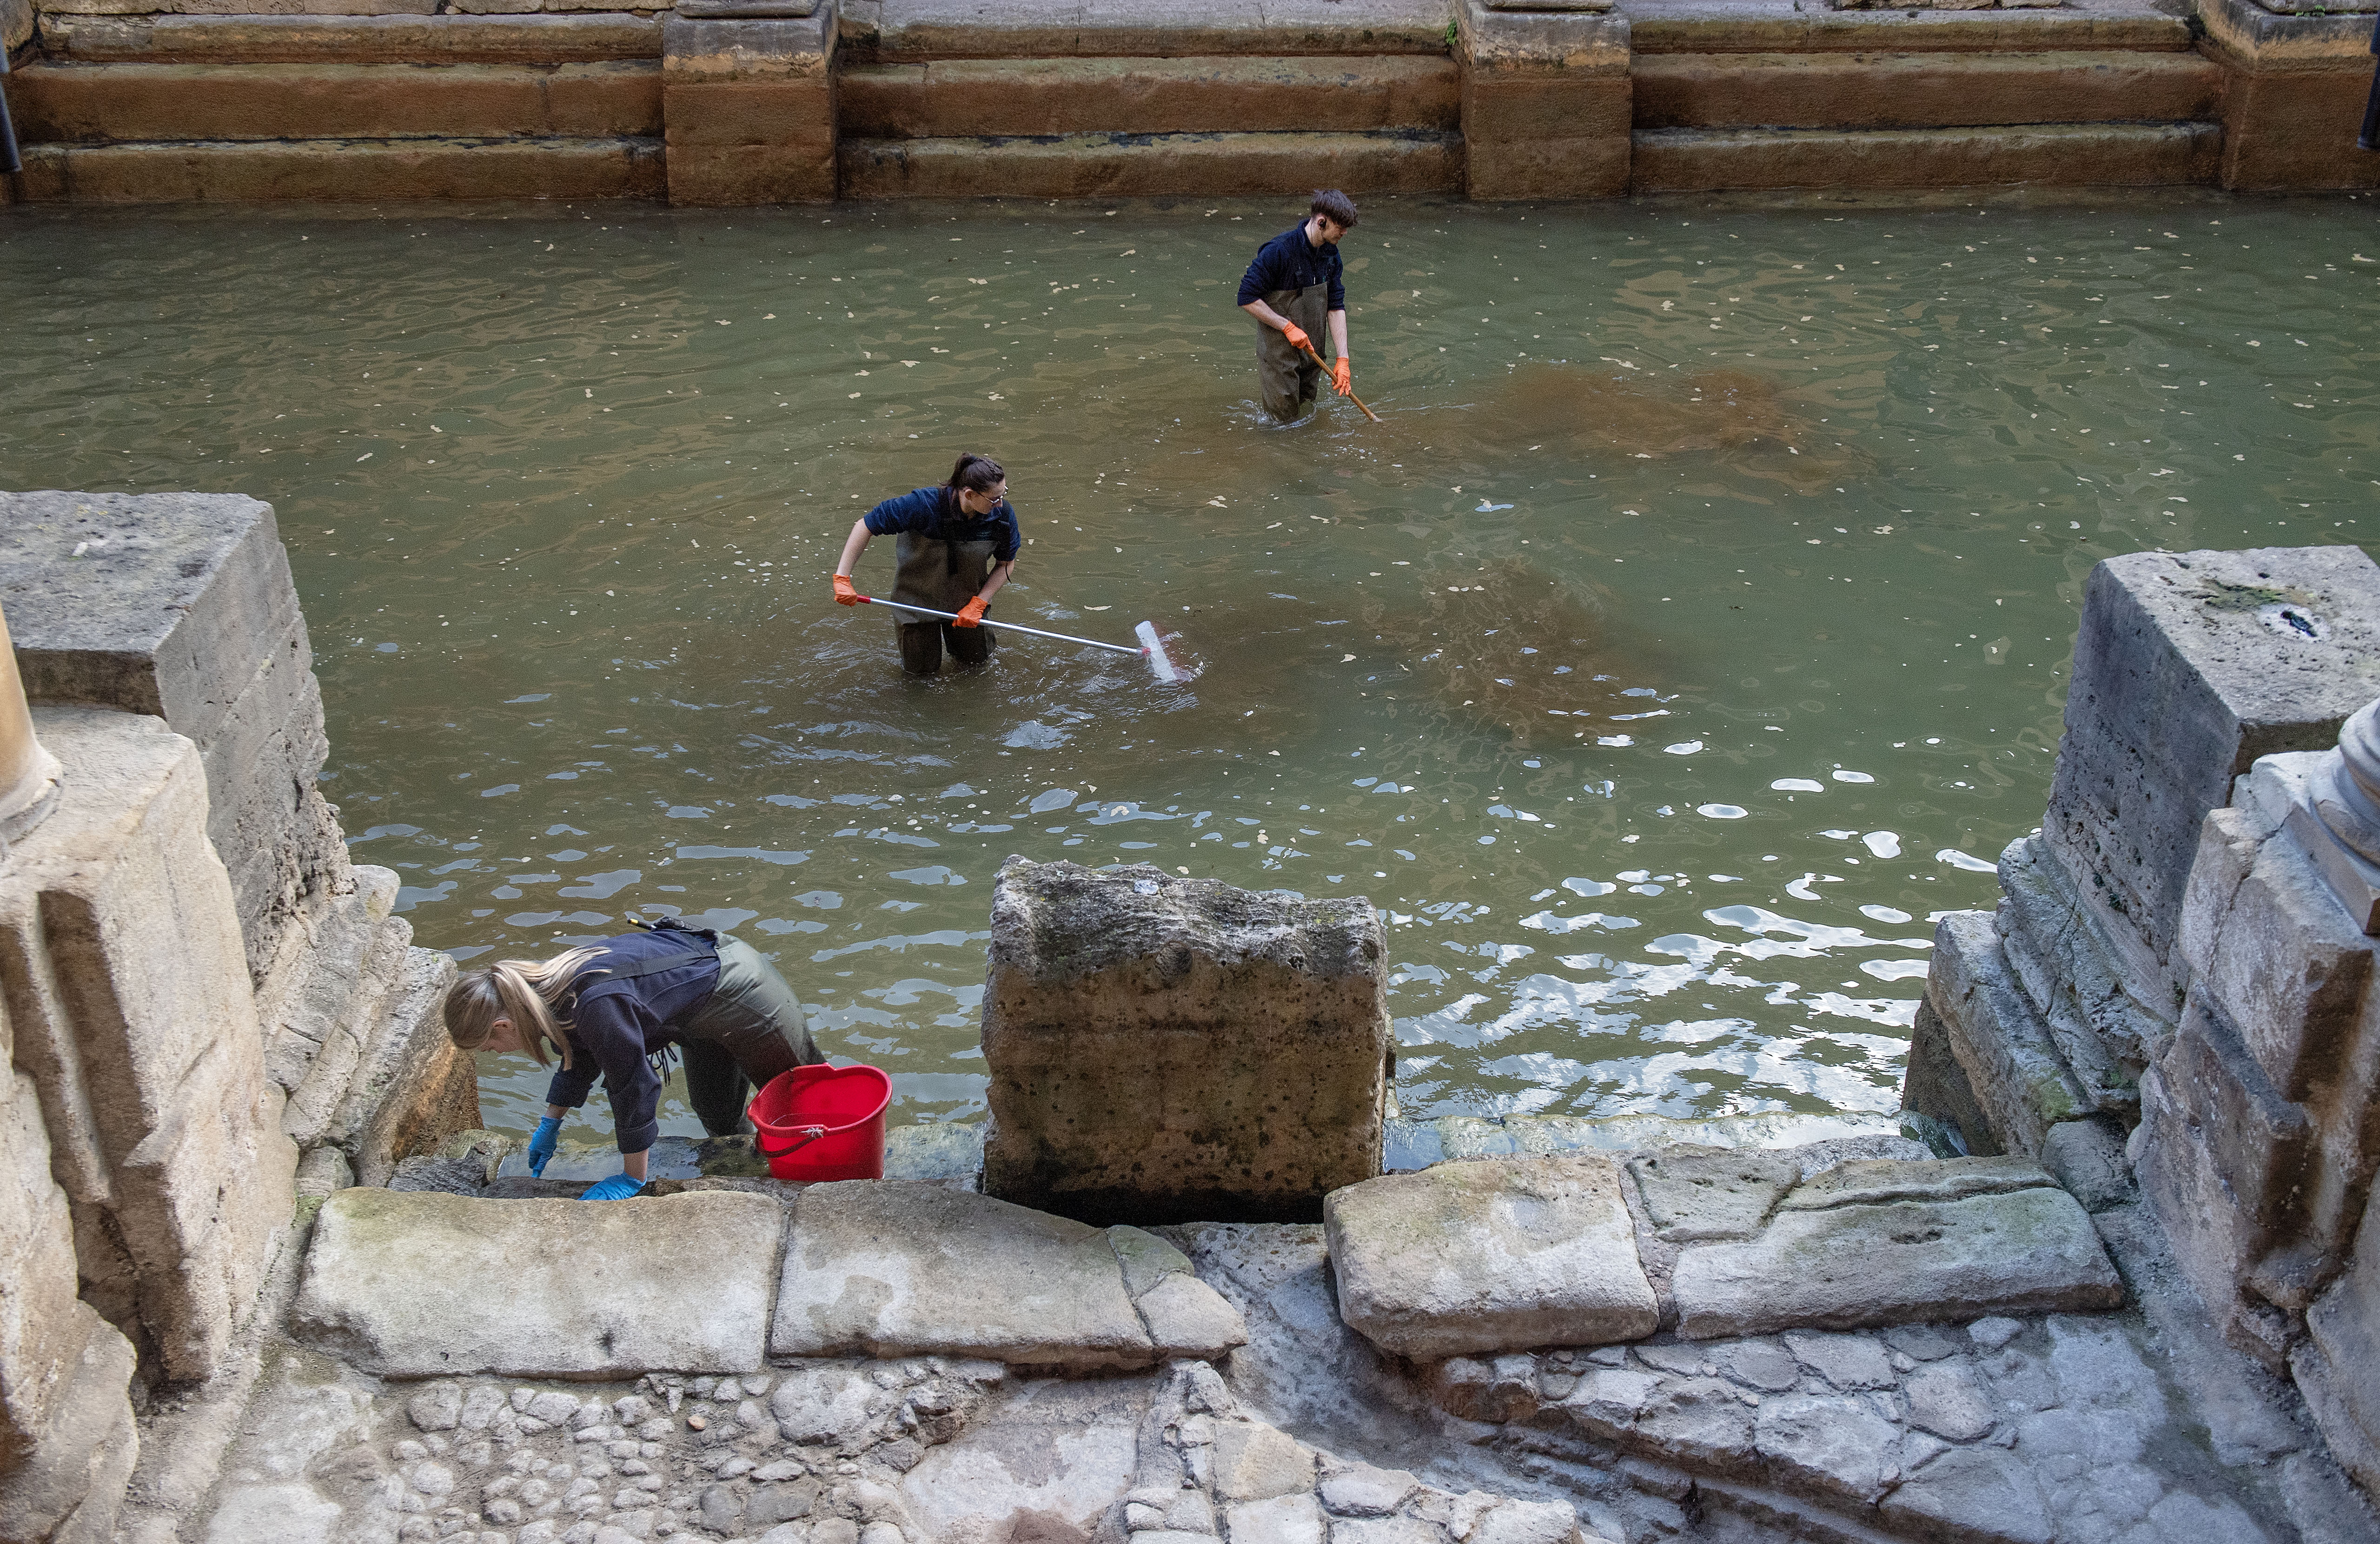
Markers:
<point>1690,632</point>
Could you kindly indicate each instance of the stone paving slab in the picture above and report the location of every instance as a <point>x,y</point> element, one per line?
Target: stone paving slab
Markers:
<point>1030,29</point>
<point>892,1268</point>
<point>1902,1262</point>
<point>1490,1255</point>
<point>421,1284</point>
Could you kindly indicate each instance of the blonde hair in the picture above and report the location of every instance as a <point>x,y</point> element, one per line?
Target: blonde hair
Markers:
<point>523,990</point>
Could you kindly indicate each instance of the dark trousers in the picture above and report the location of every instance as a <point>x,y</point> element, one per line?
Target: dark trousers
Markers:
<point>922,644</point>
<point>752,1030</point>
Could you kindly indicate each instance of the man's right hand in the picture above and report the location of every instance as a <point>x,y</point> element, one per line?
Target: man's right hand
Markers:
<point>1298,337</point>
<point>843,594</point>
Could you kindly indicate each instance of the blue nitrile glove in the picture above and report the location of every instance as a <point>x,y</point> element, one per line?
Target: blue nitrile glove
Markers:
<point>619,1187</point>
<point>542,1143</point>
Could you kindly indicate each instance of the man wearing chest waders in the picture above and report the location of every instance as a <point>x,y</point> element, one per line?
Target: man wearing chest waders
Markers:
<point>1293,289</point>
<point>958,546</point>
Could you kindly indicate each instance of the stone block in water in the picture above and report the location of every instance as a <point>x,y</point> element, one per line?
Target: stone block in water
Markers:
<point>1164,1050</point>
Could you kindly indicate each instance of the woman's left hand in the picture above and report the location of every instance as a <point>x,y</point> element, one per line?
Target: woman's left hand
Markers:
<point>971,614</point>
<point>619,1187</point>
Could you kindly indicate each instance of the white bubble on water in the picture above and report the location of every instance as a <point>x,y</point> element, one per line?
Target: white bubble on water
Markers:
<point>1884,914</point>
<point>1721,812</point>
<point>1683,747</point>
<point>1798,785</point>
<point>1844,774</point>
<point>1958,859</point>
<point>1884,844</point>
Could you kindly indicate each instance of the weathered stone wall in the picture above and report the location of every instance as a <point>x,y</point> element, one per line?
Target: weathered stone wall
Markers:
<point>2178,982</point>
<point>1165,1050</point>
<point>2187,668</point>
<point>181,605</point>
<point>177,1030</point>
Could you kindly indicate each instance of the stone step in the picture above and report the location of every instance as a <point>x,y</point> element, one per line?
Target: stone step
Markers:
<point>2052,155</point>
<point>885,30</point>
<point>98,103</point>
<point>304,1003</point>
<point>964,97</point>
<point>1922,91</point>
<point>342,171</point>
<point>405,1074</point>
<point>1786,27</point>
<point>351,40</point>
<point>1124,166</point>
<point>316,1100</point>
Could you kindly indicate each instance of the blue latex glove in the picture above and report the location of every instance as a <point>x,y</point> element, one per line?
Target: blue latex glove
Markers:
<point>619,1187</point>
<point>541,1144</point>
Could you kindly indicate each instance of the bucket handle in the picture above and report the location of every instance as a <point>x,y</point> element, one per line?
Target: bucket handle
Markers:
<point>808,1133</point>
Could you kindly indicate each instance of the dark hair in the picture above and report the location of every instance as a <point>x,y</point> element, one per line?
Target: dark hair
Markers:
<point>1334,206</point>
<point>977,474</point>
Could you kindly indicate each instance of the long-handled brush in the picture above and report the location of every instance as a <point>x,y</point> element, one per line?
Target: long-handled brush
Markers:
<point>1152,648</point>
<point>1350,396</point>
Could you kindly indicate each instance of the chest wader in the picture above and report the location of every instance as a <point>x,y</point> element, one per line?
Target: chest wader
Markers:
<point>1287,377</point>
<point>749,1029</point>
<point>930,571</point>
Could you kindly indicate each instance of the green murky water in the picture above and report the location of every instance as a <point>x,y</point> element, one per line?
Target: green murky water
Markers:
<point>1691,630</point>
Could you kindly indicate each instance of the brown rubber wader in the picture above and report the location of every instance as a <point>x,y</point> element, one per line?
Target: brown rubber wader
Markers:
<point>1289,380</point>
<point>748,1032</point>
<point>944,576</point>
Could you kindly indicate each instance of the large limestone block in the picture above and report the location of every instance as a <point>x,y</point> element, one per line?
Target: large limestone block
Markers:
<point>121,939</point>
<point>2269,942</point>
<point>1900,1262</point>
<point>415,1284</point>
<point>182,605</point>
<point>2187,668</point>
<point>890,1267</point>
<point>2339,1365</point>
<point>1490,1256</point>
<point>1165,1050</point>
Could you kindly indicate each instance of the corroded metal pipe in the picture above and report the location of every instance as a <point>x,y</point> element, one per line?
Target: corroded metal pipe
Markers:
<point>29,775</point>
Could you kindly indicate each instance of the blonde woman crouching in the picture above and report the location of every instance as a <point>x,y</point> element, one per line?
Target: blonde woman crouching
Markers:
<point>613,1010</point>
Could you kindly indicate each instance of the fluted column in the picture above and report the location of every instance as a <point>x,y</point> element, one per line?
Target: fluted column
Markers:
<point>2343,799</point>
<point>29,775</point>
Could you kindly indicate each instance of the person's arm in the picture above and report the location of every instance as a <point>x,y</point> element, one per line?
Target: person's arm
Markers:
<point>1338,333</point>
<point>1254,284</point>
<point>852,545</point>
<point>1003,569</point>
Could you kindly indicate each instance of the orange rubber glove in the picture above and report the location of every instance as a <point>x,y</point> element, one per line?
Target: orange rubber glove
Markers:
<point>971,614</point>
<point>843,594</point>
<point>1343,378</point>
<point>1296,336</point>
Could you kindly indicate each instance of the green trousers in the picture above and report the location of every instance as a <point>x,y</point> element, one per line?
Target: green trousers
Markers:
<point>750,1029</point>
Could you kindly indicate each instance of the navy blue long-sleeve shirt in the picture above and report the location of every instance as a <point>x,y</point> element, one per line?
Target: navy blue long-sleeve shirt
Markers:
<point>1290,262</point>
<point>615,1027</point>
<point>921,512</point>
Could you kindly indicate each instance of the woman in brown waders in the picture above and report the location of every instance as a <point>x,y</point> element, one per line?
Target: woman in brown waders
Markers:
<point>1293,290</point>
<point>958,546</point>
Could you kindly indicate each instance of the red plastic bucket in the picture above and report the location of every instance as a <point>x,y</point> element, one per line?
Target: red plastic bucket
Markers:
<point>822,1123</point>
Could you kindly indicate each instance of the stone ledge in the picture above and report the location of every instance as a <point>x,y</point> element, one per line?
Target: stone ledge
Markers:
<point>1490,1255</point>
<point>340,40</point>
<point>421,1286</point>
<point>889,1268</point>
<point>1777,26</point>
<point>1903,1263</point>
<point>342,171</point>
